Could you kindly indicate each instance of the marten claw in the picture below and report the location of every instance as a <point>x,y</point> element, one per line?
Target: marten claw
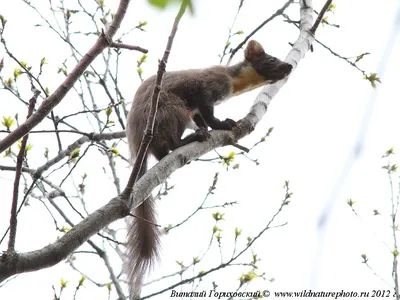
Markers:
<point>202,134</point>
<point>228,124</point>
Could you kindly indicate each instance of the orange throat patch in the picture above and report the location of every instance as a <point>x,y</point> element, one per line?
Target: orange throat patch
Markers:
<point>247,79</point>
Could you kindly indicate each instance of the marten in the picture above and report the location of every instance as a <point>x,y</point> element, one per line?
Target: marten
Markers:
<point>186,96</point>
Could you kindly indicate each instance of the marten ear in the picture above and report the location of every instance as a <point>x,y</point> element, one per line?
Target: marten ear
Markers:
<point>253,50</point>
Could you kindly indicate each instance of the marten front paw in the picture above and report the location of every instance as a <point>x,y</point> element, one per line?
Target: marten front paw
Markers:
<point>228,124</point>
<point>202,134</point>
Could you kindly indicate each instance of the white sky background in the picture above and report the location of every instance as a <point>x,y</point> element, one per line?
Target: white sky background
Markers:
<point>316,117</point>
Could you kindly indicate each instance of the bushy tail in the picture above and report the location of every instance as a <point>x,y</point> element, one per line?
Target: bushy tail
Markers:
<point>143,242</point>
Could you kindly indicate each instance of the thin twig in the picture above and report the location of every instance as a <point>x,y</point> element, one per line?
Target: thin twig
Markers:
<point>320,16</point>
<point>129,47</point>
<point>276,14</point>
<point>18,172</point>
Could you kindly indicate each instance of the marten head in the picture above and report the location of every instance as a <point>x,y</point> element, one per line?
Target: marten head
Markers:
<point>267,66</point>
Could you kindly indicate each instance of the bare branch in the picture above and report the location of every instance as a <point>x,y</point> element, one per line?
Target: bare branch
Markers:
<point>129,47</point>
<point>20,160</point>
<point>320,16</point>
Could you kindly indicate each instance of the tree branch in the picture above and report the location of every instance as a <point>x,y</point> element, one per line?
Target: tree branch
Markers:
<point>18,172</point>
<point>129,47</point>
<point>320,16</point>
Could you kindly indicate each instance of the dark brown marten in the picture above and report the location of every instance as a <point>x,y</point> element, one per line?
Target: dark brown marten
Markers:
<point>186,96</point>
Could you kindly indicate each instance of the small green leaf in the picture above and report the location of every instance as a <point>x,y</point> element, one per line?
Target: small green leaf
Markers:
<point>7,153</point>
<point>24,64</point>
<point>331,8</point>
<point>114,151</point>
<point>246,278</point>
<point>17,73</point>
<point>228,159</point>
<point>254,258</point>
<point>75,153</point>
<point>142,59</point>
<point>8,122</point>
<point>388,152</point>
<point>350,202</point>
<point>9,82</point>
<point>159,3</point>
<point>218,236</point>
<point>216,229</point>
<point>27,147</point>
<point>218,216</point>
<point>82,280</point>
<point>108,111</point>
<point>373,78</point>
<point>65,229</point>
<point>43,61</point>
<point>180,263</point>
<point>249,239</point>
<point>63,70</point>
<point>238,232</point>
<point>63,283</point>
<point>3,20</point>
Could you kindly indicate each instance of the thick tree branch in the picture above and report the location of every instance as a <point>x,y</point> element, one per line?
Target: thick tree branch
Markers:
<point>64,246</point>
<point>53,100</point>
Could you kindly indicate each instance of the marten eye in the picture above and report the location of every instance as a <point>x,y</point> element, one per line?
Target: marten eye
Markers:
<point>271,59</point>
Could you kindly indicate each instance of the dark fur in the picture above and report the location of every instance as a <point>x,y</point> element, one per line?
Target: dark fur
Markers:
<point>185,96</point>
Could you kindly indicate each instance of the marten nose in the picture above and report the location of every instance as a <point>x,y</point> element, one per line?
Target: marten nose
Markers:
<point>286,68</point>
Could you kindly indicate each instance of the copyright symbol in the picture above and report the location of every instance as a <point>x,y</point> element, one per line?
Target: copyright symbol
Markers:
<point>266,293</point>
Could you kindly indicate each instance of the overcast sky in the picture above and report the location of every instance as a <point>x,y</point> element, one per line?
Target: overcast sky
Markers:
<point>317,118</point>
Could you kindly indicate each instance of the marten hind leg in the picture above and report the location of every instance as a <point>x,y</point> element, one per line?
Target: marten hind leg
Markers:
<point>159,151</point>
